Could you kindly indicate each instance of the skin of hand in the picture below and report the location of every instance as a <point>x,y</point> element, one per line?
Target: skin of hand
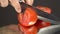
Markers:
<point>15,4</point>
<point>10,29</point>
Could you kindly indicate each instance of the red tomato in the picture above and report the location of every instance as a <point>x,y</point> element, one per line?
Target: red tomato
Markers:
<point>28,30</point>
<point>40,24</point>
<point>28,18</point>
<point>45,9</point>
<point>28,22</point>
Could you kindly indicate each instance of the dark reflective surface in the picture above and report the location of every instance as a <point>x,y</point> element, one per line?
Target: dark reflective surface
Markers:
<point>8,16</point>
<point>58,32</point>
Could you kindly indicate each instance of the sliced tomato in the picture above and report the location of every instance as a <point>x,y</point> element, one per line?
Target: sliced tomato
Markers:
<point>28,22</point>
<point>28,30</point>
<point>45,9</point>
<point>28,18</point>
<point>41,24</point>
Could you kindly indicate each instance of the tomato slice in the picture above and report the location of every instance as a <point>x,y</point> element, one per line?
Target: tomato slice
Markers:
<point>45,9</point>
<point>40,23</point>
<point>28,30</point>
<point>28,18</point>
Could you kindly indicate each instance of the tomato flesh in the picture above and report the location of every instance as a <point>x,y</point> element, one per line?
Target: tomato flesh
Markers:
<point>28,30</point>
<point>45,9</point>
<point>28,18</point>
<point>28,22</point>
<point>40,23</point>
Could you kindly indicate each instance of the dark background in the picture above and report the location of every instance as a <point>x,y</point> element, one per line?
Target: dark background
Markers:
<point>9,16</point>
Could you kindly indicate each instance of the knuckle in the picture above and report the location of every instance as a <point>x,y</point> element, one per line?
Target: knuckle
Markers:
<point>4,3</point>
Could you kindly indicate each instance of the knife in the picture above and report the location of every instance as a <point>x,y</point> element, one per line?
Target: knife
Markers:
<point>43,15</point>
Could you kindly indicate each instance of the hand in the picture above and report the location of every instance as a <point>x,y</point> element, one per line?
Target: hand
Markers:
<point>15,4</point>
<point>10,29</point>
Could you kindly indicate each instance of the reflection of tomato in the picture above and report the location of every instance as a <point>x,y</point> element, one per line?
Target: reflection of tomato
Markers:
<point>28,30</point>
<point>45,9</point>
<point>28,18</point>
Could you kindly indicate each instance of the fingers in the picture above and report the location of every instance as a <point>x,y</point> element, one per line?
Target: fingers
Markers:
<point>3,3</point>
<point>16,5</point>
<point>30,2</point>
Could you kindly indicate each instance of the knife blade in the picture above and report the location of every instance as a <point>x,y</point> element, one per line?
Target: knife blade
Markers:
<point>43,15</point>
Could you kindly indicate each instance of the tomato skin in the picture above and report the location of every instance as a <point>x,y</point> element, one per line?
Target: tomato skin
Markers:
<point>45,9</point>
<point>28,30</point>
<point>29,17</point>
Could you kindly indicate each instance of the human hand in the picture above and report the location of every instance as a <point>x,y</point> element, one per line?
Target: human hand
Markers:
<point>10,29</point>
<point>15,4</point>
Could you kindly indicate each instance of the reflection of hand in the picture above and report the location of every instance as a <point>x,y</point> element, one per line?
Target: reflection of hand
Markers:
<point>14,3</point>
<point>10,29</point>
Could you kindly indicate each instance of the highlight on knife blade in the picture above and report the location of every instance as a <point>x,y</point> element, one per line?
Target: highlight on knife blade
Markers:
<point>48,20</point>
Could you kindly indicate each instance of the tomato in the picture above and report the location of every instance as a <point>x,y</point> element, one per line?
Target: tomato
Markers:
<point>45,9</point>
<point>28,18</point>
<point>28,30</point>
<point>41,24</point>
<point>28,21</point>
